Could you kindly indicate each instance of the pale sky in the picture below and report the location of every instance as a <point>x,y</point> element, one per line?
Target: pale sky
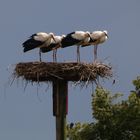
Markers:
<point>28,114</point>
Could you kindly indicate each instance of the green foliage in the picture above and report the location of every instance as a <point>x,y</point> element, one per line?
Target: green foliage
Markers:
<point>113,119</point>
<point>136,83</point>
<point>75,132</point>
<point>117,121</point>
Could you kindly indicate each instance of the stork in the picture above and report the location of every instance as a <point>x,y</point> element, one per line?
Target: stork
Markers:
<point>54,45</point>
<point>38,40</point>
<point>77,38</point>
<point>97,37</point>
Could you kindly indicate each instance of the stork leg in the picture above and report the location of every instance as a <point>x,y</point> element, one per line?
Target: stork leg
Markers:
<point>95,52</point>
<point>40,55</point>
<point>78,54</point>
<point>55,52</point>
<point>54,55</point>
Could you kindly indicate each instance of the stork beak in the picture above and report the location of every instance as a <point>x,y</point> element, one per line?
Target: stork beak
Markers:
<point>53,38</point>
<point>107,35</point>
<point>90,37</point>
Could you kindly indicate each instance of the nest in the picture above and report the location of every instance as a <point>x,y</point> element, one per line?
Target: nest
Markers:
<point>50,71</point>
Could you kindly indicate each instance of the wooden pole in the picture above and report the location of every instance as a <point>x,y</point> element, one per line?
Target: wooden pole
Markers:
<point>60,105</point>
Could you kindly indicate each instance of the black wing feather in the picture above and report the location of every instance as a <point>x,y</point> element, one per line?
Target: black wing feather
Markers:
<point>49,48</point>
<point>31,43</point>
<point>91,41</point>
<point>69,40</point>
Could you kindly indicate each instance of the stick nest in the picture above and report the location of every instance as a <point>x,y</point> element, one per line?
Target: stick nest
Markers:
<point>50,71</point>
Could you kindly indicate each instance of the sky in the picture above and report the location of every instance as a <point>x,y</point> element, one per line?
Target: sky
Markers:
<point>27,114</point>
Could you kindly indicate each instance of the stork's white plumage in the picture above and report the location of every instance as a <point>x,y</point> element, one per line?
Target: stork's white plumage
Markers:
<point>38,40</point>
<point>54,45</point>
<point>77,38</point>
<point>97,37</point>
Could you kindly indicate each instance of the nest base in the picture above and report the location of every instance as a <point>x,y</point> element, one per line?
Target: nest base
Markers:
<point>71,71</point>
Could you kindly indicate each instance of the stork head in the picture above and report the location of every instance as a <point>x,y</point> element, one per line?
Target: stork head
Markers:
<point>88,34</point>
<point>52,36</point>
<point>106,34</point>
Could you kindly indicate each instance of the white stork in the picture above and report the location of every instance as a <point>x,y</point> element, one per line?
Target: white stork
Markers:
<point>54,45</point>
<point>38,40</point>
<point>76,38</point>
<point>97,37</point>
